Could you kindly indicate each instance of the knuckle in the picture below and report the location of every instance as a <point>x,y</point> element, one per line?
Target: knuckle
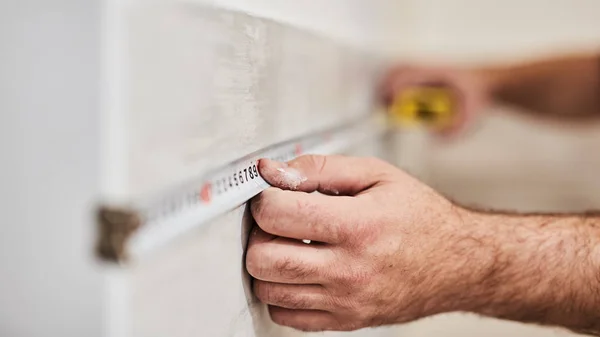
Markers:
<point>340,232</point>
<point>311,162</point>
<point>272,294</point>
<point>299,302</point>
<point>291,300</point>
<point>360,237</point>
<point>264,209</point>
<point>262,291</point>
<point>257,206</point>
<point>354,277</point>
<point>294,269</point>
<point>304,205</point>
<point>345,303</point>
<point>283,299</point>
<point>360,277</point>
<point>320,220</point>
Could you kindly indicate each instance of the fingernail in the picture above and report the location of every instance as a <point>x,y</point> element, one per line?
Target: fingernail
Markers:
<point>282,175</point>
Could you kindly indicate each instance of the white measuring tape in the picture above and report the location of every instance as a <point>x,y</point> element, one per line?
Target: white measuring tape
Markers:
<point>144,225</point>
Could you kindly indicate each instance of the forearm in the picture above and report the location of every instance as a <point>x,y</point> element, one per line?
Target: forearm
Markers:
<point>563,87</point>
<point>537,269</point>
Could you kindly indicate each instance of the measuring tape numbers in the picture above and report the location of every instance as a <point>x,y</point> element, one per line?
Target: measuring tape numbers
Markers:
<point>134,229</point>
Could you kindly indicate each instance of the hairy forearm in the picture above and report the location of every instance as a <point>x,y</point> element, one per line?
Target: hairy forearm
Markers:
<point>567,87</point>
<point>541,269</point>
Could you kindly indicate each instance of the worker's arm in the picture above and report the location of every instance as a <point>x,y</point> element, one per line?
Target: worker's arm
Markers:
<point>562,87</point>
<point>544,269</point>
<point>387,249</point>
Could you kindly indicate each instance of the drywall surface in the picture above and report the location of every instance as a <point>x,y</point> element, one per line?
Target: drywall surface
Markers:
<point>347,21</point>
<point>200,86</point>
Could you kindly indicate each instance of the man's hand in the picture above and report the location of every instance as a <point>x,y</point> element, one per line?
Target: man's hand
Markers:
<point>469,88</point>
<point>385,247</point>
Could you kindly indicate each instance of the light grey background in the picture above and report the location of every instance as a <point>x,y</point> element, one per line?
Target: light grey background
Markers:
<point>49,108</point>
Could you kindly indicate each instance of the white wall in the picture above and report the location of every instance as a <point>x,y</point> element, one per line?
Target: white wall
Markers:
<point>346,20</point>
<point>488,30</point>
<point>49,57</point>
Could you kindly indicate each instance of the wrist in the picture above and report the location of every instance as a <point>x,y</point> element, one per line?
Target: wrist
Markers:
<point>499,271</point>
<point>493,80</point>
<point>461,262</point>
<point>475,260</point>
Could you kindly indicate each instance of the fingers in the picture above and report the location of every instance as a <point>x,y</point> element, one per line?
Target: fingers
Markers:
<point>304,216</point>
<point>393,81</point>
<point>292,296</point>
<point>258,236</point>
<point>458,124</point>
<point>305,320</point>
<point>283,260</point>
<point>470,91</point>
<point>399,78</point>
<point>331,175</point>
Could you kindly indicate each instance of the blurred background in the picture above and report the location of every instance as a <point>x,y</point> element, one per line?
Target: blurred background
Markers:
<point>506,161</point>
<point>50,109</point>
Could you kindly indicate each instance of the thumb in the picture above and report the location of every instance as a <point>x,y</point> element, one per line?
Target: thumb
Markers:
<point>331,175</point>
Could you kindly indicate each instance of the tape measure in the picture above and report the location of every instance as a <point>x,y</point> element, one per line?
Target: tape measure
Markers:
<point>432,106</point>
<point>132,229</point>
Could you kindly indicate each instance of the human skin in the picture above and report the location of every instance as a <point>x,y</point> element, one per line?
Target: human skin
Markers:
<point>561,88</point>
<point>388,249</point>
